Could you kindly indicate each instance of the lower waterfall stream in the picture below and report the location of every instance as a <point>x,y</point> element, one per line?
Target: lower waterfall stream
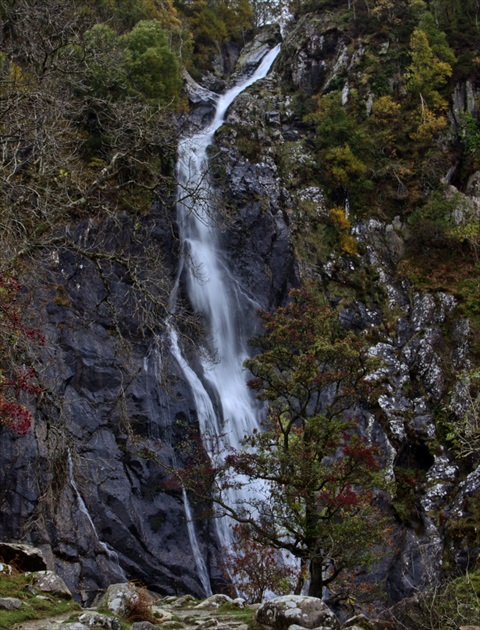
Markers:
<point>225,408</point>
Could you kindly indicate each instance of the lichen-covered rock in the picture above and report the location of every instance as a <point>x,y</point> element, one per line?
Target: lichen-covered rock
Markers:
<point>215,601</point>
<point>96,620</point>
<point>120,599</point>
<point>308,612</point>
<point>50,582</point>
<point>143,625</point>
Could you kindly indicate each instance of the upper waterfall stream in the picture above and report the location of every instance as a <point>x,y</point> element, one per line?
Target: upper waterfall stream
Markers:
<point>224,405</point>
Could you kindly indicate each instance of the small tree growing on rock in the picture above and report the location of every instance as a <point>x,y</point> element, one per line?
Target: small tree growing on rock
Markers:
<point>321,477</point>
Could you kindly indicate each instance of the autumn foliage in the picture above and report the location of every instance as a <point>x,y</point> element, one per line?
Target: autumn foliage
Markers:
<point>258,568</point>
<point>16,379</point>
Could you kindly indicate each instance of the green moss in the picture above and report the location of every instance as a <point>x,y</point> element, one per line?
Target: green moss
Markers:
<point>33,607</point>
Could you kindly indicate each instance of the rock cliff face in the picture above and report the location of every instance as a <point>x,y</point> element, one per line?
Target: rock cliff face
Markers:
<point>77,485</point>
<point>421,340</point>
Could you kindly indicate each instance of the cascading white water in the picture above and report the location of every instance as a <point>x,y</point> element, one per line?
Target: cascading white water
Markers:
<point>216,294</point>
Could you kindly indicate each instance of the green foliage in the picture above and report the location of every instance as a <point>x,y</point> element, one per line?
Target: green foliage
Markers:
<point>212,24</point>
<point>139,64</point>
<point>447,607</point>
<point>469,132</point>
<point>104,74</point>
<point>437,39</point>
<point>152,69</point>
<point>124,14</point>
<point>437,210</point>
<point>426,72</point>
<point>343,148</point>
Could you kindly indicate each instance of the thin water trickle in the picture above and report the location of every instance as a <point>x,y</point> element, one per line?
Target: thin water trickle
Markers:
<point>110,553</point>
<point>230,413</point>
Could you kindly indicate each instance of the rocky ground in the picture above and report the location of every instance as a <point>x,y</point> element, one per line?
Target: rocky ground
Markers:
<point>124,602</point>
<point>38,599</point>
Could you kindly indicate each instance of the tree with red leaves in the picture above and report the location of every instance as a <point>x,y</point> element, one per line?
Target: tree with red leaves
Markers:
<point>258,568</point>
<point>16,379</point>
<point>320,475</point>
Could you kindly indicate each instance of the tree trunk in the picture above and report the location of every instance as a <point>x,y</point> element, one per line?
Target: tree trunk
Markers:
<point>301,577</point>
<point>316,579</point>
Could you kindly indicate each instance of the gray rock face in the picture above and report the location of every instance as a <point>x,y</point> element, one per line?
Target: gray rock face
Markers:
<point>307,612</point>
<point>107,511</point>
<point>314,54</point>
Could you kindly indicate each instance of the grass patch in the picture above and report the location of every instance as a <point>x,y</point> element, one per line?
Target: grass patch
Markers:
<point>245,615</point>
<point>33,607</point>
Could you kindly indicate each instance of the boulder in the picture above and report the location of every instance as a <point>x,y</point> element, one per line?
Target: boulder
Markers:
<point>162,614</point>
<point>214,601</point>
<point>307,612</point>
<point>120,599</point>
<point>50,582</point>
<point>96,620</point>
<point>143,625</point>
<point>10,603</point>
<point>23,557</point>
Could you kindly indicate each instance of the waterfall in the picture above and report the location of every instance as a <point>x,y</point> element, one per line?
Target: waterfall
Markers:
<point>224,405</point>
<point>110,553</point>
